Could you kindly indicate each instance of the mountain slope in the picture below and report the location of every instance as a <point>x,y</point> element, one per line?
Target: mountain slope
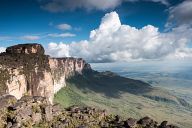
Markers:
<point>127,97</point>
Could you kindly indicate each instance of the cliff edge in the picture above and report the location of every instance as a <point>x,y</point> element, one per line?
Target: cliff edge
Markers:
<point>26,70</point>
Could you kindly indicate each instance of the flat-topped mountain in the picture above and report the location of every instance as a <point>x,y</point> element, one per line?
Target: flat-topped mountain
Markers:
<point>25,69</point>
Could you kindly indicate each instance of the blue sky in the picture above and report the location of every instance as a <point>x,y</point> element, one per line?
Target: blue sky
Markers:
<point>26,17</point>
<point>45,21</point>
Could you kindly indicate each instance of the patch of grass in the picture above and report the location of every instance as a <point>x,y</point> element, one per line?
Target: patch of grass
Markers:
<point>68,97</point>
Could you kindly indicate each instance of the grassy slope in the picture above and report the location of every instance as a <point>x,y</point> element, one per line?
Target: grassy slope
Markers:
<point>122,96</point>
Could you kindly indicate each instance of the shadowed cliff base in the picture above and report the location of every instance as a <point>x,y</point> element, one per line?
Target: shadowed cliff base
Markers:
<point>109,84</point>
<point>113,86</point>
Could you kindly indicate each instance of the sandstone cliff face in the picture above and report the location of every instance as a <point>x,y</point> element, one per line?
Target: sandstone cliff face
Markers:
<point>25,70</point>
<point>64,68</point>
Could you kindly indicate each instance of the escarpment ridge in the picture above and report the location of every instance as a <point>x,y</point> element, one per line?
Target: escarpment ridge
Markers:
<point>26,70</point>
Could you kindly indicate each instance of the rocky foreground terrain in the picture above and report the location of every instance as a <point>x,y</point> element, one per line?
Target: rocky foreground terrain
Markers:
<point>38,112</point>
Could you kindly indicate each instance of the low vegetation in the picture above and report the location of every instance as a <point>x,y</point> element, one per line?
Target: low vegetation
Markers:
<point>126,97</point>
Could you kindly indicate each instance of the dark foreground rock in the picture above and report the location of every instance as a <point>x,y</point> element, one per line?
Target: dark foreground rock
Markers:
<point>37,111</point>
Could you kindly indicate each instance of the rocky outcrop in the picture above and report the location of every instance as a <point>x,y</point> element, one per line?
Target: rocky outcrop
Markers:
<point>38,112</point>
<point>26,70</point>
<point>26,49</point>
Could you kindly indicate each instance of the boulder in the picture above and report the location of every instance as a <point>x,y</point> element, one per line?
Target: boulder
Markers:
<point>24,116</point>
<point>17,105</point>
<point>48,113</point>
<point>145,121</point>
<point>73,108</point>
<point>27,99</point>
<point>82,126</point>
<point>16,125</point>
<point>39,99</point>
<point>17,119</point>
<point>26,111</point>
<point>36,118</point>
<point>104,124</point>
<point>6,101</point>
<point>9,124</point>
<point>65,122</point>
<point>129,123</point>
<point>57,125</point>
<point>117,118</point>
<point>163,124</point>
<point>56,110</point>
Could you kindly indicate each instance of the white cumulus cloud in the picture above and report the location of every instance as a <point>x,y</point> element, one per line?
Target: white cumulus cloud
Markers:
<point>113,41</point>
<point>2,49</point>
<point>62,49</point>
<point>180,14</point>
